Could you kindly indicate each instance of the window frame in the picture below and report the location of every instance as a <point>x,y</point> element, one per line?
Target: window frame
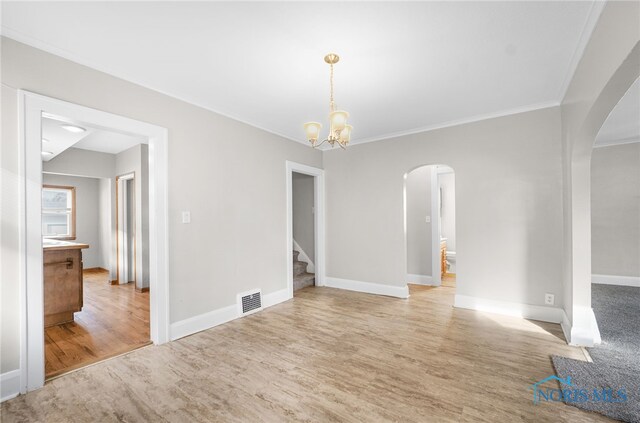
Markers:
<point>72,232</point>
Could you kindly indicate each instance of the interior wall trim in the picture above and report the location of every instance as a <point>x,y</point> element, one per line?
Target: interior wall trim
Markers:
<point>420,279</point>
<point>368,287</point>
<point>526,311</point>
<point>616,280</point>
<point>220,316</point>
<point>9,385</point>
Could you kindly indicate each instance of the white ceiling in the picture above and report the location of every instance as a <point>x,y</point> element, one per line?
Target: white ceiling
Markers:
<point>59,139</point>
<point>404,67</point>
<point>623,124</point>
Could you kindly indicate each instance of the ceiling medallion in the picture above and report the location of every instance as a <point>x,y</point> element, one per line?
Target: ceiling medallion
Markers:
<point>339,131</point>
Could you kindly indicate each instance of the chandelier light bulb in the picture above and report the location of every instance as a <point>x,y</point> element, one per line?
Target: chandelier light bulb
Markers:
<point>313,130</point>
<point>338,119</point>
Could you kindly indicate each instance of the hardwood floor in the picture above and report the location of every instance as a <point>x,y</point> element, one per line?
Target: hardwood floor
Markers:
<point>113,320</point>
<point>327,355</point>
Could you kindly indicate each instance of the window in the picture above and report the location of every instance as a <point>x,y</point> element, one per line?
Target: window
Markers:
<point>58,212</point>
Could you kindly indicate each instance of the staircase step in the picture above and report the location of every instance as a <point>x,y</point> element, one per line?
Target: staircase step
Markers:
<point>304,280</point>
<point>295,255</point>
<point>299,267</point>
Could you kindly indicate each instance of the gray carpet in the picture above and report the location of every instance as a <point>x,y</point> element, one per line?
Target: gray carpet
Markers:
<point>616,362</point>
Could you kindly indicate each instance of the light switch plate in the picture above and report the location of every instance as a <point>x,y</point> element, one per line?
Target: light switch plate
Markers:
<point>186,217</point>
<point>427,219</point>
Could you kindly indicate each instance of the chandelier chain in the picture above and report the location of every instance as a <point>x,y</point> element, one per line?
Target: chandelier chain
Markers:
<point>332,106</point>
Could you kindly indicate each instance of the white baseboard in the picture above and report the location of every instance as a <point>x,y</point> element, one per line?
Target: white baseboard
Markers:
<point>311,268</point>
<point>217,317</point>
<point>275,298</point>
<point>368,287</point>
<point>616,280</point>
<point>565,324</point>
<point>586,332</point>
<point>9,385</point>
<point>527,311</point>
<point>420,279</point>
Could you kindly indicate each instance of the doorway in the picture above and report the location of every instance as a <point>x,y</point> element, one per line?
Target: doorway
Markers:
<point>33,109</point>
<point>305,200</point>
<point>126,242</point>
<point>88,317</point>
<point>303,231</point>
<point>430,230</point>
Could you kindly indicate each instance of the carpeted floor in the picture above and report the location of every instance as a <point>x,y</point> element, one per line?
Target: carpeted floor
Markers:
<point>616,362</point>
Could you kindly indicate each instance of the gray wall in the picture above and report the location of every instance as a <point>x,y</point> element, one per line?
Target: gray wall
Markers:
<point>448,209</point>
<point>508,195</point>
<point>418,191</point>
<point>136,160</point>
<point>87,213</point>
<point>105,234</point>
<point>303,231</point>
<point>228,174</point>
<point>615,210</point>
<point>76,161</point>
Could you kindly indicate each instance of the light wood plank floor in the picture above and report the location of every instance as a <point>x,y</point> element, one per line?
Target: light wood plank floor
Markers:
<point>113,320</point>
<point>328,355</point>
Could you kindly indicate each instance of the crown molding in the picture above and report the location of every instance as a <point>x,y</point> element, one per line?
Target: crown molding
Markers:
<point>600,144</point>
<point>589,25</point>
<point>65,54</point>
<point>457,122</point>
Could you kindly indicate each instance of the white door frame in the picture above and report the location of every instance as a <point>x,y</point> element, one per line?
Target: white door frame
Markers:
<point>31,107</point>
<point>122,231</point>
<point>436,277</point>
<point>318,221</point>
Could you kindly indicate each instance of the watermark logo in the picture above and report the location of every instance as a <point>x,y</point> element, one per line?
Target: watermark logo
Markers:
<point>568,392</point>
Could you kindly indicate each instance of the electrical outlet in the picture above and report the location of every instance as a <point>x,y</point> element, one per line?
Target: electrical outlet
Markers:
<point>427,219</point>
<point>186,217</point>
<point>549,299</point>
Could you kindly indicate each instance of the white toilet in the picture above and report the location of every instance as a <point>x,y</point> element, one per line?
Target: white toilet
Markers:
<point>451,262</point>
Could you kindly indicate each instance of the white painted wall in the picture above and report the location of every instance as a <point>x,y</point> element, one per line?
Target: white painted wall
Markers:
<point>87,213</point>
<point>447,183</point>
<point>303,232</point>
<point>228,174</point>
<point>9,236</point>
<point>608,66</point>
<point>509,213</point>
<point>615,210</point>
<point>418,186</point>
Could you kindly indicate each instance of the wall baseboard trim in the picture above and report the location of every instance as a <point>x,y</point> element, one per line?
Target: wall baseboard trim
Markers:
<point>220,316</point>
<point>368,287</point>
<point>565,324</point>
<point>616,280</point>
<point>584,334</point>
<point>311,268</point>
<point>420,279</point>
<point>9,385</point>
<point>94,269</point>
<point>526,311</point>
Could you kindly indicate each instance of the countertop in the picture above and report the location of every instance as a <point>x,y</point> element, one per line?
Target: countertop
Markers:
<point>55,244</point>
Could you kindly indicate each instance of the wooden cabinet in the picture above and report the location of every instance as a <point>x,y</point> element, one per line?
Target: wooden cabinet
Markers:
<point>62,282</point>
<point>443,257</point>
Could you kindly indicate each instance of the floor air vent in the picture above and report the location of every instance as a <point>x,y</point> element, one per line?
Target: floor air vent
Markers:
<point>250,302</point>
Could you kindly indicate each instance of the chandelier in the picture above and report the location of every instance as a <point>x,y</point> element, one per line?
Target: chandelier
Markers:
<point>339,131</point>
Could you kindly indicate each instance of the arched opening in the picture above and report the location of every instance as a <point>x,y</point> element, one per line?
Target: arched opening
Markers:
<point>430,229</point>
<point>615,232</point>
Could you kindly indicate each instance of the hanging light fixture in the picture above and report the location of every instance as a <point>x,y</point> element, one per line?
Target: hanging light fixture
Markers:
<point>339,131</point>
